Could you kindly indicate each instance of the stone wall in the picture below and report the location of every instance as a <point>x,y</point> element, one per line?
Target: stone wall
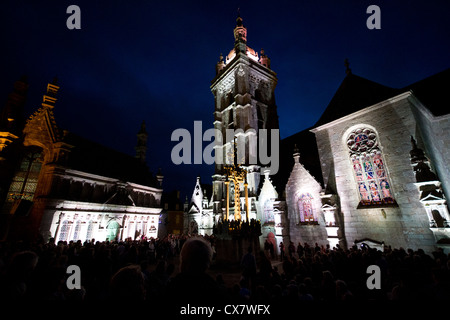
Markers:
<point>302,182</point>
<point>403,226</point>
<point>435,132</point>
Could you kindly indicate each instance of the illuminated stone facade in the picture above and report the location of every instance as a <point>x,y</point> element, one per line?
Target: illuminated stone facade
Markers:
<point>307,222</point>
<point>63,186</point>
<point>244,96</point>
<point>369,163</point>
<point>244,102</point>
<point>373,169</point>
<point>199,218</point>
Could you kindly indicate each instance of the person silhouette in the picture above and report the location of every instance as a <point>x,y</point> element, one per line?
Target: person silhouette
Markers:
<point>192,283</point>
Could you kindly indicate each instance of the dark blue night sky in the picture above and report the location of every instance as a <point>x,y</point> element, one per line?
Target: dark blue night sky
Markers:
<point>154,61</point>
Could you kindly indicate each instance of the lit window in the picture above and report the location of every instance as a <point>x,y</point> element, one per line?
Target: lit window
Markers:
<point>369,168</point>
<point>76,232</point>
<point>89,230</point>
<point>306,209</point>
<point>64,232</point>
<point>25,180</point>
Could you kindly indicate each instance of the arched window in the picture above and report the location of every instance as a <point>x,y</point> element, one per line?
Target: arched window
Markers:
<point>305,208</point>
<point>64,232</point>
<point>24,183</point>
<point>90,228</point>
<point>112,231</point>
<point>144,228</point>
<point>76,231</point>
<point>369,168</point>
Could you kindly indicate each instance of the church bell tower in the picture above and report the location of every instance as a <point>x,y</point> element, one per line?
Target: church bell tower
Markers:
<point>243,89</point>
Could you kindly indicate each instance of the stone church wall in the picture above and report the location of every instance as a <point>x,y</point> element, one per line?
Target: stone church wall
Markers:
<point>302,182</point>
<point>310,234</point>
<point>403,226</point>
<point>436,141</point>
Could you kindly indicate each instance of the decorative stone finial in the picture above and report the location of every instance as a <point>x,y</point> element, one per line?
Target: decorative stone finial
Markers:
<point>264,60</point>
<point>296,154</point>
<point>49,99</point>
<point>240,32</point>
<point>159,177</point>
<point>220,64</point>
<point>142,130</point>
<point>266,173</point>
<point>347,66</point>
<point>420,164</point>
<point>416,153</point>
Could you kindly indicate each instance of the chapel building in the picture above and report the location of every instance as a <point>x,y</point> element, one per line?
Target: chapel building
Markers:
<point>54,183</point>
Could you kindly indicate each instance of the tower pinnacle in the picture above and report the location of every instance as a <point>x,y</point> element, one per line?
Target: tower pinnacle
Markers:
<point>11,115</point>
<point>347,66</point>
<point>141,147</point>
<point>49,98</point>
<point>296,154</point>
<point>240,34</point>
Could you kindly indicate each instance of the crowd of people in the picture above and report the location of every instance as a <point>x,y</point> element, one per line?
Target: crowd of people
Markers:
<point>239,228</point>
<point>178,267</point>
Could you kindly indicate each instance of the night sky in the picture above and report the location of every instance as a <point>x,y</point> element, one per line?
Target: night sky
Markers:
<point>154,61</point>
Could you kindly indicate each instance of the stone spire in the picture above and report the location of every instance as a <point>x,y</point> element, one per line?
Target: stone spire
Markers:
<point>197,198</point>
<point>14,106</point>
<point>220,64</point>
<point>240,31</point>
<point>45,113</point>
<point>49,99</point>
<point>347,66</point>
<point>159,177</point>
<point>240,36</point>
<point>11,116</point>
<point>420,164</point>
<point>264,60</point>
<point>416,153</point>
<point>186,204</point>
<point>141,147</point>
<point>296,154</point>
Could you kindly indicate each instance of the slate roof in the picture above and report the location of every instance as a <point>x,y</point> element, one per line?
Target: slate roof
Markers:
<point>356,93</point>
<point>309,158</point>
<point>94,158</point>
<point>433,92</point>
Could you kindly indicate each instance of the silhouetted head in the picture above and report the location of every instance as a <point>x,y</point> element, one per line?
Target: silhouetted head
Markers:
<point>23,263</point>
<point>195,256</point>
<point>128,284</point>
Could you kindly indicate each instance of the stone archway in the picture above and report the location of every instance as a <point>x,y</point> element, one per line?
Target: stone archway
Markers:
<point>112,231</point>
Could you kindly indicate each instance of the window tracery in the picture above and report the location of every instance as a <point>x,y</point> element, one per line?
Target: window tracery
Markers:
<point>24,183</point>
<point>369,168</point>
<point>305,208</point>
